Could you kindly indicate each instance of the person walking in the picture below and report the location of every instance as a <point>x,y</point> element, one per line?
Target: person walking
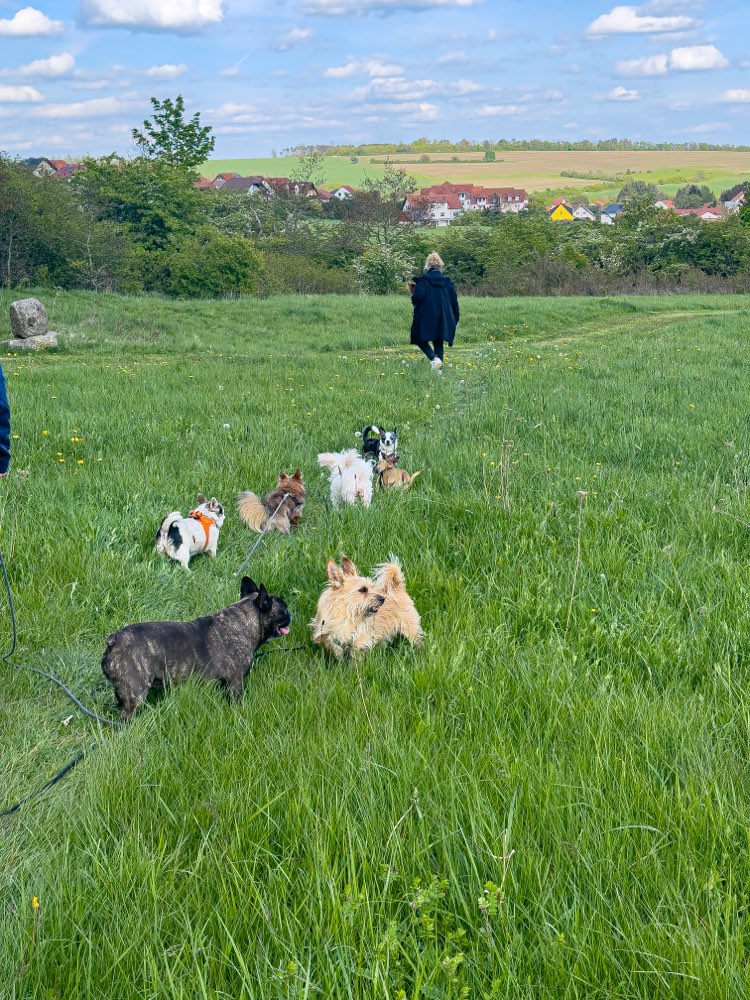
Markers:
<point>436,312</point>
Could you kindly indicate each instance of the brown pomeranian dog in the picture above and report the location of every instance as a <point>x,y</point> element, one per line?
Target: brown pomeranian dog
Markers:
<point>259,514</point>
<point>389,474</point>
<point>357,612</point>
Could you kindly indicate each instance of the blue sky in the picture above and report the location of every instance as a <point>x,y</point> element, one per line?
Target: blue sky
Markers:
<point>76,75</point>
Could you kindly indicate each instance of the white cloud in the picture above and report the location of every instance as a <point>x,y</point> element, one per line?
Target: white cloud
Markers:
<point>622,94</point>
<point>423,112</point>
<point>646,66</point>
<point>692,57</point>
<point>29,21</point>
<point>375,68</point>
<point>19,95</point>
<point>452,57</point>
<point>98,107</point>
<point>496,110</point>
<point>336,8</point>
<point>54,66</point>
<point>465,87</point>
<point>395,88</point>
<point>629,21</point>
<point>554,95</point>
<point>153,15</point>
<point>739,96</point>
<point>294,37</point>
<point>169,71</point>
<point>697,57</point>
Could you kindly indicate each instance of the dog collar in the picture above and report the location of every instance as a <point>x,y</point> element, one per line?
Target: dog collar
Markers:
<point>206,523</point>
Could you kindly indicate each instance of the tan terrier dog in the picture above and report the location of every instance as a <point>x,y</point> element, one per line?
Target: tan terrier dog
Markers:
<point>389,474</point>
<point>357,612</point>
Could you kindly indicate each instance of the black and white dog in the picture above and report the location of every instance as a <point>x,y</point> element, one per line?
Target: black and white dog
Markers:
<point>181,537</point>
<point>379,445</point>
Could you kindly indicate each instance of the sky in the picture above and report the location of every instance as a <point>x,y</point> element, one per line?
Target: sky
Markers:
<point>76,75</point>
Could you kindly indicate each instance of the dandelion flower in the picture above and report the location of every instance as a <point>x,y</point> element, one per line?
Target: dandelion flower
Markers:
<point>79,461</point>
<point>45,433</point>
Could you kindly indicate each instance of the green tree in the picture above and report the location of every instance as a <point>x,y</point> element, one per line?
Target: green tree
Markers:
<point>693,196</point>
<point>639,190</point>
<point>152,199</point>
<point>171,138</point>
<point>490,156</point>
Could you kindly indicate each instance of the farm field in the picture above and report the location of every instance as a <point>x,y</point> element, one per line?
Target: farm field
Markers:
<point>536,171</point>
<point>548,799</point>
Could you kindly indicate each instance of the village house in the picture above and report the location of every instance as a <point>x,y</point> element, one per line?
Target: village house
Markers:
<point>221,179</point>
<point>343,193</point>
<point>610,214</point>
<point>250,185</point>
<point>438,210</point>
<point>560,211</point>
<point>736,203</point>
<point>584,214</point>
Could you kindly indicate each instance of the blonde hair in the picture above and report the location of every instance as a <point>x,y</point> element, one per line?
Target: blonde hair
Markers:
<point>434,260</point>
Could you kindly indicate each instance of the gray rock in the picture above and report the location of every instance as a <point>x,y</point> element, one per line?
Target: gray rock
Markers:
<point>28,318</point>
<point>30,343</point>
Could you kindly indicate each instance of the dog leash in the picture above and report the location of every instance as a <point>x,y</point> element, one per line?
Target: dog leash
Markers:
<point>6,658</point>
<point>252,551</point>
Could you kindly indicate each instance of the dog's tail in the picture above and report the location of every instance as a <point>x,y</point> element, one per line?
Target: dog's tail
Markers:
<point>414,476</point>
<point>162,533</point>
<point>329,460</point>
<point>252,511</point>
<point>366,431</point>
<point>388,576</point>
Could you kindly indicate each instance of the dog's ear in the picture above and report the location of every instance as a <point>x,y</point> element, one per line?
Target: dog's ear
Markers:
<point>201,498</point>
<point>348,567</point>
<point>263,600</point>
<point>248,587</point>
<point>297,475</point>
<point>213,504</point>
<point>335,576</point>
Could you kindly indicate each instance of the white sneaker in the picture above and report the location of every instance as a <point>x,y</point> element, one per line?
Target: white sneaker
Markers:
<point>437,364</point>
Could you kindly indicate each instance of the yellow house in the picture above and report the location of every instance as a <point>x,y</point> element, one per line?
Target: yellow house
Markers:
<point>560,213</point>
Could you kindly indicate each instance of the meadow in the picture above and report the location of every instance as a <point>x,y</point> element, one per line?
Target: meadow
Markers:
<point>536,171</point>
<point>548,799</point>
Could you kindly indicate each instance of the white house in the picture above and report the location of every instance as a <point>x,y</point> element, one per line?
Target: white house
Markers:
<point>343,192</point>
<point>439,210</point>
<point>584,214</point>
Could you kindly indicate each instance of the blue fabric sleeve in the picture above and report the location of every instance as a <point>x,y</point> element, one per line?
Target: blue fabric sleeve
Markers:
<point>4,426</point>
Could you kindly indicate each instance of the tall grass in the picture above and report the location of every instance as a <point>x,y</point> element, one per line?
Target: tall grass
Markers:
<point>549,799</point>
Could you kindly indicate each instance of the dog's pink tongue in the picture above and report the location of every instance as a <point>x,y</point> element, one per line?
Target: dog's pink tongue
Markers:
<point>283,631</point>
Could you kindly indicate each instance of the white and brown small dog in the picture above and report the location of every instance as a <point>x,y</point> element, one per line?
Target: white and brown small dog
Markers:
<point>357,612</point>
<point>181,537</point>
<point>351,476</point>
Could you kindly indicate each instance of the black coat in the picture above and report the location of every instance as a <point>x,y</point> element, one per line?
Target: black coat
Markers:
<point>435,308</point>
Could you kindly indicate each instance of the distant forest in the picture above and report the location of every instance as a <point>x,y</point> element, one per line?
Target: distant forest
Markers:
<point>519,145</point>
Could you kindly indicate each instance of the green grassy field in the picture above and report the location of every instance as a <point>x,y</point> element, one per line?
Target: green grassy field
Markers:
<point>336,169</point>
<point>549,799</point>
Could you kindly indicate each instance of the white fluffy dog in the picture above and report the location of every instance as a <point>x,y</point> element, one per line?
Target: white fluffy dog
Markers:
<point>181,537</point>
<point>351,476</point>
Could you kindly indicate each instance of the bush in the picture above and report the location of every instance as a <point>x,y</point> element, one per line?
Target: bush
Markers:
<point>383,270</point>
<point>209,264</point>
<point>286,274</point>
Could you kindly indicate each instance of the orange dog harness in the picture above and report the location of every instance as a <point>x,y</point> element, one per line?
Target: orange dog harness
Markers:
<point>205,522</point>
